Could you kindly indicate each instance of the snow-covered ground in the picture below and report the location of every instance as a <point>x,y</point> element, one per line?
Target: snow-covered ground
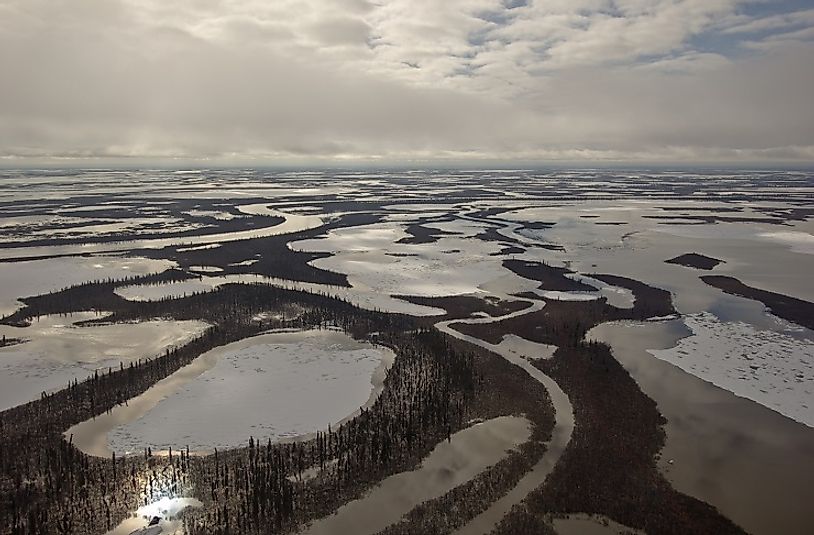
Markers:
<point>273,386</point>
<point>168,509</point>
<point>513,344</point>
<point>637,248</point>
<point>770,367</point>
<point>59,351</point>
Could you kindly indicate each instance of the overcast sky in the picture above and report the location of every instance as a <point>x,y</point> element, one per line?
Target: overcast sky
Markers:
<point>395,81</point>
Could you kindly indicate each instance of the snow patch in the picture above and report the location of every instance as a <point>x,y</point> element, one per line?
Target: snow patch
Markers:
<point>769,367</point>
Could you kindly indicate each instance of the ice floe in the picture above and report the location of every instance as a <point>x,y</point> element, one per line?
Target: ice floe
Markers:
<point>770,367</point>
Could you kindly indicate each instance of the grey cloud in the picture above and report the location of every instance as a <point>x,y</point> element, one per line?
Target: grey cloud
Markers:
<point>295,80</point>
<point>341,31</point>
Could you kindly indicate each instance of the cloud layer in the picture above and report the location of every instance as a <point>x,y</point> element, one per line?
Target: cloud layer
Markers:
<point>307,81</point>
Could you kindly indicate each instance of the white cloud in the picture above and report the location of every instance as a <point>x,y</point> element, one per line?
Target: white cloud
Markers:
<point>401,79</point>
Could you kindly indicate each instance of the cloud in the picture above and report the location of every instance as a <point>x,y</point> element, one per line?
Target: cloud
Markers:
<point>403,80</point>
<point>782,21</point>
<point>783,40</point>
<point>341,31</point>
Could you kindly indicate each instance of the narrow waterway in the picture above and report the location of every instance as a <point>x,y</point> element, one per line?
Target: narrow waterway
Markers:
<point>292,223</point>
<point>561,434</point>
<point>750,462</point>
<point>450,464</point>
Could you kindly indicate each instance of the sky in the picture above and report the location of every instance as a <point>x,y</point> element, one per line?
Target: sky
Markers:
<point>292,82</point>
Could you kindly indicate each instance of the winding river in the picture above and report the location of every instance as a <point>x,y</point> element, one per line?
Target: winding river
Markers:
<point>561,434</point>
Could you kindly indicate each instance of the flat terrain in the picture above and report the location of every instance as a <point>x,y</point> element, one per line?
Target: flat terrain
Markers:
<point>406,352</point>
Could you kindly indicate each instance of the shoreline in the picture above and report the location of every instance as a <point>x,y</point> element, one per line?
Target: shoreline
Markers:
<point>749,451</point>
<point>92,436</point>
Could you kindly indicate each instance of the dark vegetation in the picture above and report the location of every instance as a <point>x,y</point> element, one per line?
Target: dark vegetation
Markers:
<point>520,521</point>
<point>537,225</point>
<point>456,508</point>
<point>564,323</point>
<point>418,234</point>
<point>789,308</point>
<point>508,250</point>
<point>5,341</point>
<point>609,467</point>
<point>95,296</point>
<point>550,278</point>
<point>492,234</point>
<point>436,386</point>
<point>24,231</point>
<point>787,214</point>
<point>513,244</point>
<point>260,489</point>
<point>716,209</point>
<point>274,257</point>
<point>695,260</point>
<point>489,213</point>
<point>205,225</point>
<point>507,390</point>
<point>433,389</point>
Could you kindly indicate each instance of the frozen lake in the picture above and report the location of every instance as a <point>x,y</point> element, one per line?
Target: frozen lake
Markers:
<point>733,380</point>
<point>25,279</point>
<point>274,386</point>
<point>58,351</point>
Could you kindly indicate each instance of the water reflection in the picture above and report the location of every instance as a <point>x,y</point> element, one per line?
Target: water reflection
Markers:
<point>58,351</point>
<point>752,463</point>
<point>452,463</point>
<point>292,223</point>
<point>521,355</point>
<point>302,380</point>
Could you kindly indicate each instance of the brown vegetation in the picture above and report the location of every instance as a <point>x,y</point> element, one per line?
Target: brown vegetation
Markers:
<point>550,278</point>
<point>695,260</point>
<point>786,307</point>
